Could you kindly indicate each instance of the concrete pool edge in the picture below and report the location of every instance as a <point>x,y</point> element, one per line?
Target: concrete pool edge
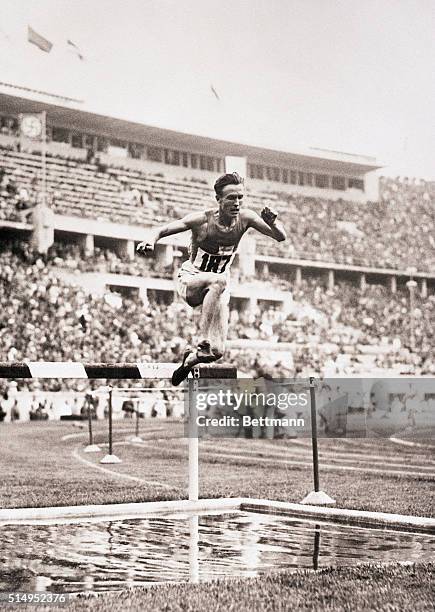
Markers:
<point>359,518</point>
<point>102,512</point>
<point>116,511</point>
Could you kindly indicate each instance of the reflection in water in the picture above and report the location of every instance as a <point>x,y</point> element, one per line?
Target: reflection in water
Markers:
<point>134,552</point>
<point>194,549</point>
<point>316,547</point>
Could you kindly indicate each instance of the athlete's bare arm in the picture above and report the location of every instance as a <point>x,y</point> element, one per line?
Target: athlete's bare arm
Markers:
<point>267,224</point>
<point>190,222</point>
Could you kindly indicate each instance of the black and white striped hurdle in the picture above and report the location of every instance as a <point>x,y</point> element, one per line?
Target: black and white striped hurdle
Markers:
<point>67,369</point>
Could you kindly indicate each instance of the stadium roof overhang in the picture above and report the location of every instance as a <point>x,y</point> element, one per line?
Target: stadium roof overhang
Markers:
<point>84,121</point>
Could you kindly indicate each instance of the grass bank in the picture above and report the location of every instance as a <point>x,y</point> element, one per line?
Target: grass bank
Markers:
<point>393,588</point>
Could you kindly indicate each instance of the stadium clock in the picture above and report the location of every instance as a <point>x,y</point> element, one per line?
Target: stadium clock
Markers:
<point>31,126</point>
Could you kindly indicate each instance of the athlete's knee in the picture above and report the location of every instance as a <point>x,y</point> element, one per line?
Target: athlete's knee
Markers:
<point>218,349</point>
<point>218,284</point>
<point>224,299</point>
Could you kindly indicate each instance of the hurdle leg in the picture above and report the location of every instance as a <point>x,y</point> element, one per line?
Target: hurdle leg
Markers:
<point>193,469</point>
<point>136,437</point>
<point>110,458</point>
<point>314,437</point>
<point>316,497</point>
<point>193,438</point>
<point>91,447</point>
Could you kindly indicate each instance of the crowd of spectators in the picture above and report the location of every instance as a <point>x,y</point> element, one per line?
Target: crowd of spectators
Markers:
<point>44,319</point>
<point>16,200</point>
<point>8,126</point>
<point>394,232</point>
<point>74,258</point>
<point>343,317</point>
<point>88,188</point>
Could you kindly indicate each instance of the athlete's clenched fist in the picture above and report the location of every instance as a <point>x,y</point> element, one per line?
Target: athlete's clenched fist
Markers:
<point>268,215</point>
<point>144,247</point>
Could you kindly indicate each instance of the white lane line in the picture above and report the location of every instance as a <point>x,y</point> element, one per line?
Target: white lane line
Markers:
<point>309,464</point>
<point>412,444</point>
<point>288,455</point>
<point>74,435</point>
<point>112,473</point>
<point>327,466</point>
<point>335,451</point>
<point>325,456</point>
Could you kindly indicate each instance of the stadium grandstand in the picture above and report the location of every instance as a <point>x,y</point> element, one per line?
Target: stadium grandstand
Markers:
<point>351,291</point>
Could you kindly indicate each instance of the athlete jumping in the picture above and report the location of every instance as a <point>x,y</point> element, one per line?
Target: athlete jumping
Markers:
<point>203,278</point>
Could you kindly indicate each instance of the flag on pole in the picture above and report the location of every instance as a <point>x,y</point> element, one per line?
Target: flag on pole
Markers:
<point>215,93</point>
<point>76,49</point>
<point>38,40</point>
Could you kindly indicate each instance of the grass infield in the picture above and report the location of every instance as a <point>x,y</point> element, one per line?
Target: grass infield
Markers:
<point>41,469</point>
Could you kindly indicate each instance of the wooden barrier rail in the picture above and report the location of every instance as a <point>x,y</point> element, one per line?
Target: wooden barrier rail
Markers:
<point>66,369</point>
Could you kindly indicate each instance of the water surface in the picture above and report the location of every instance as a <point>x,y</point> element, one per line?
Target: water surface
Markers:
<point>135,552</point>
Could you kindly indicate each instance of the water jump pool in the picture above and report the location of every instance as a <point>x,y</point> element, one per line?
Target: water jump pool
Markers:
<point>124,553</point>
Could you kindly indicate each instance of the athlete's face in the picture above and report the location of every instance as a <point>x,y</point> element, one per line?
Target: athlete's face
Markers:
<point>231,200</point>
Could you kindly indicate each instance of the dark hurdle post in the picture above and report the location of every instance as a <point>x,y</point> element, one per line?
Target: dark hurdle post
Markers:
<point>316,497</point>
<point>314,435</point>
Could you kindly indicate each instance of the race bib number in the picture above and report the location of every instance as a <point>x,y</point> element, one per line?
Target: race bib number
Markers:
<point>207,262</point>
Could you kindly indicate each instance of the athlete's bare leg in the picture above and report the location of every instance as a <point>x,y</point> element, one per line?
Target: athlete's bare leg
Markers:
<point>210,289</point>
<point>214,316</point>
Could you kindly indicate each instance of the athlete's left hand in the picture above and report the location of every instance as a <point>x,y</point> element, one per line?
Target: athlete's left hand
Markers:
<point>268,215</point>
<point>144,248</point>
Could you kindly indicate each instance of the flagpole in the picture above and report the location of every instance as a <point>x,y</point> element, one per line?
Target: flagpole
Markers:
<point>44,158</point>
<point>22,142</point>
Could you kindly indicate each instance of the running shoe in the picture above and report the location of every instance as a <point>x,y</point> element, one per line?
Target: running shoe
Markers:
<point>182,372</point>
<point>204,352</point>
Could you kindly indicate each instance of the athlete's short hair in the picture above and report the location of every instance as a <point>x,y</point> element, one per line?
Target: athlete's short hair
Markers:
<point>227,179</point>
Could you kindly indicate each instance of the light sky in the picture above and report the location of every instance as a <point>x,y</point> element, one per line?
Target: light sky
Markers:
<point>348,75</point>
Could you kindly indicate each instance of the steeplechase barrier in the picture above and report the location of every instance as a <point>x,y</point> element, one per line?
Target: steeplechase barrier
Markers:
<point>67,369</point>
<point>144,370</point>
